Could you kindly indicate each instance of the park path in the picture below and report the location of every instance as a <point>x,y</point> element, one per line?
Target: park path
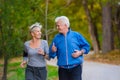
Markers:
<point>96,71</point>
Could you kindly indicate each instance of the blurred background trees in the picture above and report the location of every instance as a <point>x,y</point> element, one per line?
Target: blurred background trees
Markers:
<point>97,20</point>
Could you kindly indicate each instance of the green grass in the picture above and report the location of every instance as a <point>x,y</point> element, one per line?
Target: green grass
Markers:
<point>52,73</point>
<point>15,72</point>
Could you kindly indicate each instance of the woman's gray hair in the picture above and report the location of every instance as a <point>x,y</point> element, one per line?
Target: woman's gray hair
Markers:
<point>64,19</point>
<point>31,28</point>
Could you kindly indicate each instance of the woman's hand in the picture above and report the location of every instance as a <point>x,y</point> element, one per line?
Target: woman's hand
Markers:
<point>41,51</point>
<point>23,64</point>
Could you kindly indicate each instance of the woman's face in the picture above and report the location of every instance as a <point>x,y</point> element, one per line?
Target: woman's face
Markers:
<point>36,33</point>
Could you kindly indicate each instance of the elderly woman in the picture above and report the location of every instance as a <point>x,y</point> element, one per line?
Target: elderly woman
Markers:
<point>35,52</point>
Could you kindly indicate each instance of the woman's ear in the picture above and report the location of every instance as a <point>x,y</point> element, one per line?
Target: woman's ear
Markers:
<point>32,33</point>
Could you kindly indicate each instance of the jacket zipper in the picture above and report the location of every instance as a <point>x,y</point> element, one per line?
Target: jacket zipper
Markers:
<point>66,50</point>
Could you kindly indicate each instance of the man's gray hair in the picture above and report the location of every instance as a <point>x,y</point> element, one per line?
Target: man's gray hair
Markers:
<point>64,19</point>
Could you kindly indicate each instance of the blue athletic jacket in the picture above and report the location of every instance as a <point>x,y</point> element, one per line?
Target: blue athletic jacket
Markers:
<point>66,45</point>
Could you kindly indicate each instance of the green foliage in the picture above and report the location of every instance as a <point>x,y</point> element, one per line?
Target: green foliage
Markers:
<point>9,34</point>
<point>17,15</point>
<point>15,18</point>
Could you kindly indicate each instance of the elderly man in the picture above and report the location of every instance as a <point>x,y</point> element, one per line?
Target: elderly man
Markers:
<point>69,47</point>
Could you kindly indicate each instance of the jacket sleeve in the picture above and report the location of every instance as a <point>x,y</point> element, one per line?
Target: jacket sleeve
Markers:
<point>84,45</point>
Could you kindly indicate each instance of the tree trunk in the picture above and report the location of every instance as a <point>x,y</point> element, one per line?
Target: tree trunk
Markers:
<point>92,28</point>
<point>46,10</point>
<point>118,22</point>
<point>4,77</point>
<point>107,43</point>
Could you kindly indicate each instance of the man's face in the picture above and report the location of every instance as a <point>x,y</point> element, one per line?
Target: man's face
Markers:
<point>61,27</point>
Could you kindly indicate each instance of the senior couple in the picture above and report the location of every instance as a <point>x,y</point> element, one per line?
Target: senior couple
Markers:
<point>69,47</point>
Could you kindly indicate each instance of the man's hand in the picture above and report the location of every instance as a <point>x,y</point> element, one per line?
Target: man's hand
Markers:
<point>54,49</point>
<point>77,53</point>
